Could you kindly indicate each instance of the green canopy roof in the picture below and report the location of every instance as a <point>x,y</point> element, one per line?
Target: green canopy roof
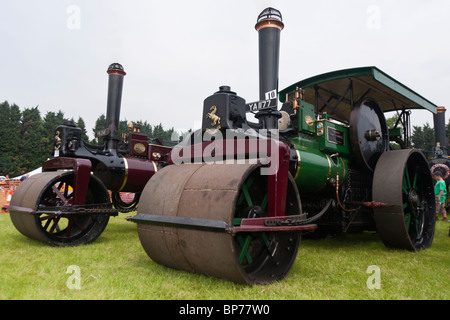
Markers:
<point>367,82</point>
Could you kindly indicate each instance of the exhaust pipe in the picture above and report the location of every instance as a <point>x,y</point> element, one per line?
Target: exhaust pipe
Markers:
<point>115,85</point>
<point>269,25</point>
<point>440,133</point>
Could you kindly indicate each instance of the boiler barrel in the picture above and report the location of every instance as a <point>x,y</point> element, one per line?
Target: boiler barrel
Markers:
<point>137,173</point>
<point>317,171</point>
<point>125,174</point>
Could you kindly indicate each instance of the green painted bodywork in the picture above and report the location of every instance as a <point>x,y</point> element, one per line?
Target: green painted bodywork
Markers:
<point>316,167</point>
<point>333,137</point>
<point>306,111</point>
<point>321,155</point>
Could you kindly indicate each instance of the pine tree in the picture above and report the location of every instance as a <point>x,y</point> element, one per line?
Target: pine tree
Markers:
<point>423,138</point>
<point>10,125</point>
<point>100,124</point>
<point>80,124</point>
<point>33,148</point>
<point>146,128</point>
<point>51,121</point>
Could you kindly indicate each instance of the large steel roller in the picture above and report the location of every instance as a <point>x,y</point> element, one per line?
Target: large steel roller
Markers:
<point>36,209</point>
<point>402,181</point>
<point>203,197</point>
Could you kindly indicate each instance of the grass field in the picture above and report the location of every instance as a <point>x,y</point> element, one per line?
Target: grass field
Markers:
<point>116,267</point>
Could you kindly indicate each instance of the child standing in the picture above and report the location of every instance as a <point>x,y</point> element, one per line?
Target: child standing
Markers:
<point>440,192</point>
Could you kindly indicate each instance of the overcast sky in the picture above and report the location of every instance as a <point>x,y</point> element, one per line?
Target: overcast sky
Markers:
<point>55,53</point>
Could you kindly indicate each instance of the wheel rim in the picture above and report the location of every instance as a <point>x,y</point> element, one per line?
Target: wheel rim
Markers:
<point>414,202</point>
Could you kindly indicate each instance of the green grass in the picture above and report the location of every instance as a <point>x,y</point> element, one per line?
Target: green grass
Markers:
<point>116,267</point>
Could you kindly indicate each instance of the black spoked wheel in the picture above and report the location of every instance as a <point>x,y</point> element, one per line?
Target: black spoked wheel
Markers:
<point>48,191</point>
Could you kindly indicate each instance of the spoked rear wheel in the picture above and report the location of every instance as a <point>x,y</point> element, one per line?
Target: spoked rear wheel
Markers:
<point>403,182</point>
<point>46,192</point>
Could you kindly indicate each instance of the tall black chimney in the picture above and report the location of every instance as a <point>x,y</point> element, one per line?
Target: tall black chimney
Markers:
<point>115,85</point>
<point>440,132</point>
<point>269,26</point>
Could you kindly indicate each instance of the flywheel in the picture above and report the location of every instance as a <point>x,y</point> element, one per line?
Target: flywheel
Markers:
<point>369,136</point>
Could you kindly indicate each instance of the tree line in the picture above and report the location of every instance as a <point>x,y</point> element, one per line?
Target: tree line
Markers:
<point>27,139</point>
<point>422,137</point>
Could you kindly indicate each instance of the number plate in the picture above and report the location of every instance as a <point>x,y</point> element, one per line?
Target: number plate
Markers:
<point>261,105</point>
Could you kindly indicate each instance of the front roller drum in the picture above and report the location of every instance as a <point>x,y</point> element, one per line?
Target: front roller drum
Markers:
<point>225,194</point>
<point>46,192</point>
<point>403,186</point>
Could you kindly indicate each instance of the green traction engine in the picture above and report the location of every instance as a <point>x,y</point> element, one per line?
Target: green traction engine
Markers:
<point>243,191</point>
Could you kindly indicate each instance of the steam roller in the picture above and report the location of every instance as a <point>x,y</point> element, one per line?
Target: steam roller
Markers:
<point>71,201</point>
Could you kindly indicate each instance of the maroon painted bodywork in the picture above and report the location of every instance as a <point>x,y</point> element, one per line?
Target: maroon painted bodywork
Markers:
<point>137,173</point>
<point>275,153</point>
<point>82,174</point>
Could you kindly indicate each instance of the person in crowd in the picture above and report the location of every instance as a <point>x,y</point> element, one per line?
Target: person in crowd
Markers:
<point>440,192</point>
